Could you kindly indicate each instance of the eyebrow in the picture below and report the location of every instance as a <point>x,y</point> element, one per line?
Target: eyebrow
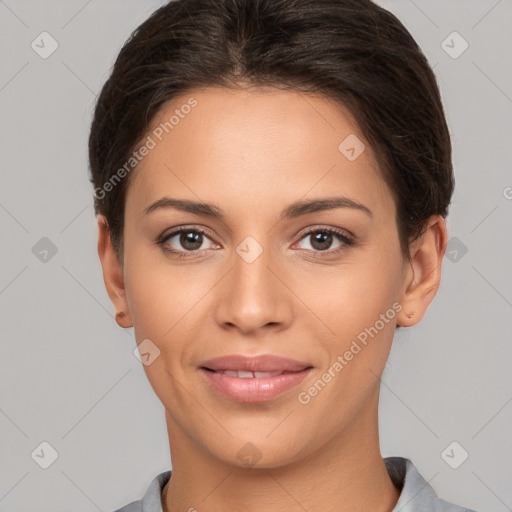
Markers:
<point>292,211</point>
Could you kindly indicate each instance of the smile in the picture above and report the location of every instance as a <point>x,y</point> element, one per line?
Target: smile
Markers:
<point>252,387</point>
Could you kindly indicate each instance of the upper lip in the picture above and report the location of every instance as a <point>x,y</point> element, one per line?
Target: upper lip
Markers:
<point>262,363</point>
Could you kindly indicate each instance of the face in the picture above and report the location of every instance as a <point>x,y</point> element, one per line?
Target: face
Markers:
<point>323,285</point>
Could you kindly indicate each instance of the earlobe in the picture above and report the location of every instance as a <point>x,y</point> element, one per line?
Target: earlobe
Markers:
<point>423,277</point>
<point>112,274</point>
<point>122,319</point>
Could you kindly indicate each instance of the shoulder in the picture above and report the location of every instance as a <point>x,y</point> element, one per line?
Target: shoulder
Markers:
<point>152,499</point>
<point>417,495</point>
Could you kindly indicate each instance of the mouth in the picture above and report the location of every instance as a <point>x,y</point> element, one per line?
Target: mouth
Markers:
<point>252,366</point>
<point>244,374</point>
<point>252,379</point>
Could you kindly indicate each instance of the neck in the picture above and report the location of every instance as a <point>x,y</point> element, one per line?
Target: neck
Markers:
<point>346,474</point>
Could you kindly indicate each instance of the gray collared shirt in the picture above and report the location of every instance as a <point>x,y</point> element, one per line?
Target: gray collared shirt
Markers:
<point>416,495</point>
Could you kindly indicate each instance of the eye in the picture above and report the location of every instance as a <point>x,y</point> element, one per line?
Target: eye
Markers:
<point>185,240</point>
<point>188,241</point>
<point>321,240</point>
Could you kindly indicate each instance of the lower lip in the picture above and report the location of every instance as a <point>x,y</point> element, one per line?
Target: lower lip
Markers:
<point>254,389</point>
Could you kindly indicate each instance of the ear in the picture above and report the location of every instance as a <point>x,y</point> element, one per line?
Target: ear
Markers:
<point>112,274</point>
<point>423,277</point>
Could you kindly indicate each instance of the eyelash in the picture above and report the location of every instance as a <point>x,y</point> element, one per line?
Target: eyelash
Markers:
<point>340,235</point>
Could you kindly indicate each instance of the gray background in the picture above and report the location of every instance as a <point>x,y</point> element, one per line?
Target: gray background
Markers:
<point>68,375</point>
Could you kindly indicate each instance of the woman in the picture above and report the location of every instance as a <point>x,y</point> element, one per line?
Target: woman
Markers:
<point>271,183</point>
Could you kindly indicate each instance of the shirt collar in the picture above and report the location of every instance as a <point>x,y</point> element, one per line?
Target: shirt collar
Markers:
<point>416,493</point>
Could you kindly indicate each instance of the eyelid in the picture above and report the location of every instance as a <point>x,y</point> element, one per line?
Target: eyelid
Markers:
<point>313,229</point>
<point>185,227</point>
<point>346,238</point>
<point>172,232</point>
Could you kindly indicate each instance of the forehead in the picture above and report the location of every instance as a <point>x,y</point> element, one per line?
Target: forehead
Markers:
<point>242,145</point>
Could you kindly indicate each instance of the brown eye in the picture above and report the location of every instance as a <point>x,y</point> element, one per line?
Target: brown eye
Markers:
<point>185,240</point>
<point>321,240</point>
<point>191,240</point>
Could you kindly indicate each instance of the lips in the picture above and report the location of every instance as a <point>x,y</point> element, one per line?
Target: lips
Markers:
<point>245,365</point>
<point>253,379</point>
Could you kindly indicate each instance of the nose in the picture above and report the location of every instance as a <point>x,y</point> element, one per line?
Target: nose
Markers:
<point>254,295</point>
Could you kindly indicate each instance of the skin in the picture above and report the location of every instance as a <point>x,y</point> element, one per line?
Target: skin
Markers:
<point>295,300</point>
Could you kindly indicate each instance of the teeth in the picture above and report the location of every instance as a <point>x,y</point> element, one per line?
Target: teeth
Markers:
<point>267,374</point>
<point>243,374</point>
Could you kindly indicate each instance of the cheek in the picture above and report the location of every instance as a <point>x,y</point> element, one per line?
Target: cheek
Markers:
<point>356,294</point>
<point>359,303</point>
<point>161,307</point>
<point>164,298</point>
<point>154,295</point>
<point>360,313</point>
